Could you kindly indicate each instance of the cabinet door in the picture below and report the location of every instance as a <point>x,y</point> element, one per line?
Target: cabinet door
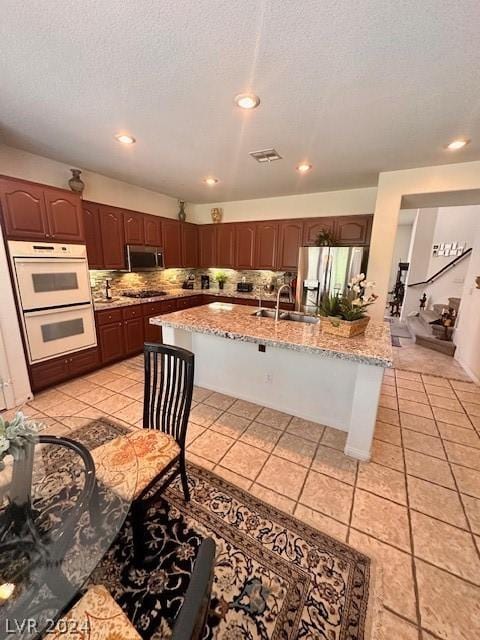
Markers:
<point>113,242</point>
<point>110,338</point>
<point>93,240</point>
<point>83,361</point>
<point>207,246</point>
<point>289,242</point>
<point>245,245</point>
<point>189,245</point>
<point>133,332</point>
<point>353,230</point>
<point>152,226</point>
<point>46,374</point>
<point>172,243</point>
<point>64,215</point>
<point>134,229</point>
<point>266,245</point>
<point>225,246</point>
<point>153,332</point>
<point>23,208</point>
<point>314,226</point>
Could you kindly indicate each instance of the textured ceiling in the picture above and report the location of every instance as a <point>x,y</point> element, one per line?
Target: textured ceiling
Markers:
<point>354,87</point>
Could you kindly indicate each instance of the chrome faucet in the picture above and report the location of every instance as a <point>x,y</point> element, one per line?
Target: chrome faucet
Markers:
<point>277,307</point>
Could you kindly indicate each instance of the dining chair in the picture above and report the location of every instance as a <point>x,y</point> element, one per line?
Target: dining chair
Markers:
<point>191,619</point>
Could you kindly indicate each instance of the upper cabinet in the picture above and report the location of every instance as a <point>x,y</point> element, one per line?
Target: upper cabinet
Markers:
<point>289,241</point>
<point>226,246</point>
<point>152,227</point>
<point>207,246</point>
<point>93,237</point>
<point>36,212</point>
<point>189,245</point>
<point>245,245</point>
<point>266,245</point>
<point>353,230</point>
<point>172,243</point>
<point>134,227</point>
<point>113,237</point>
<point>312,227</point>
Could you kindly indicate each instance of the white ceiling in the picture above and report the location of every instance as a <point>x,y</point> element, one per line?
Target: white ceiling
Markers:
<point>354,87</point>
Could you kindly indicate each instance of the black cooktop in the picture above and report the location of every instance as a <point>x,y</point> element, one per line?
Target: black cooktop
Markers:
<point>145,293</point>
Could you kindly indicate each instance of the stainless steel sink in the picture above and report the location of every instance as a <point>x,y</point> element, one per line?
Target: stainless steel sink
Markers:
<point>299,317</point>
<point>286,315</point>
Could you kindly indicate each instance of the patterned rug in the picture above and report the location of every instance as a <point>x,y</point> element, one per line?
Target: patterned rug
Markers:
<point>275,577</point>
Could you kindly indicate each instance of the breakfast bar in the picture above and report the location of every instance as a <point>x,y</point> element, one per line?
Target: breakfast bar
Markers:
<point>288,365</point>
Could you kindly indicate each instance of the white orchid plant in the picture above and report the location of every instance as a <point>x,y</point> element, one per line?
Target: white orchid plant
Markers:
<point>352,303</point>
<point>14,435</point>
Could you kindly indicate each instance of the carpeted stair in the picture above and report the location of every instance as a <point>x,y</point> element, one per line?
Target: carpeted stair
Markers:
<point>420,326</point>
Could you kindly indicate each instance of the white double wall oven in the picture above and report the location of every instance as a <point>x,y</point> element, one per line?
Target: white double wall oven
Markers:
<point>54,296</point>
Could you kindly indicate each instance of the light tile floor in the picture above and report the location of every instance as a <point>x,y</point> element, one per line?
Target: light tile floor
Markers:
<point>415,507</point>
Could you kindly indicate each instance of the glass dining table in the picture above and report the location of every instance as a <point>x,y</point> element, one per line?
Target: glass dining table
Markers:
<point>57,520</point>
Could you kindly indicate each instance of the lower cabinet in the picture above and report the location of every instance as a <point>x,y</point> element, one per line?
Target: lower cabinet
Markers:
<point>133,332</point>
<point>110,340</point>
<point>46,374</point>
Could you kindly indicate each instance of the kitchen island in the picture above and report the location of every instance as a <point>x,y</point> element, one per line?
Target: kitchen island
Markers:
<point>290,366</point>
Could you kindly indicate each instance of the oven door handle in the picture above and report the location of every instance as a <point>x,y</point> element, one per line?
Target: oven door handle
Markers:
<point>52,310</point>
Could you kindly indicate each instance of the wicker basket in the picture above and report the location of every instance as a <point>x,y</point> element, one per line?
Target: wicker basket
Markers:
<point>344,328</point>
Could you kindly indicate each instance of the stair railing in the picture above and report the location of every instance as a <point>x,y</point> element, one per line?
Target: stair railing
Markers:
<point>442,271</point>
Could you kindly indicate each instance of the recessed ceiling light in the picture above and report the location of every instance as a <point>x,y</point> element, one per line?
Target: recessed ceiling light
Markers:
<point>303,167</point>
<point>211,181</point>
<point>124,138</point>
<point>457,144</point>
<point>247,100</point>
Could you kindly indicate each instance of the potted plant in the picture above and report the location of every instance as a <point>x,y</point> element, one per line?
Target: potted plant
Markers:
<point>345,314</point>
<point>221,278</point>
<point>17,438</point>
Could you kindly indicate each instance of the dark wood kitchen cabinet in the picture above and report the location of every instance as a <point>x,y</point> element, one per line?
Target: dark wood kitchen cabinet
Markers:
<point>312,227</point>
<point>189,245</point>
<point>207,246</point>
<point>64,215</point>
<point>36,212</point>
<point>93,238</point>
<point>111,341</point>
<point>353,230</point>
<point>46,374</point>
<point>134,227</point>
<point>152,226</point>
<point>290,234</point>
<point>245,245</point>
<point>225,242</point>
<point>133,334</point>
<point>266,245</point>
<point>113,239</point>
<point>172,243</point>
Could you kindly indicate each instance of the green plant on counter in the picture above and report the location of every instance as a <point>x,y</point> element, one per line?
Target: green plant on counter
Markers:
<point>221,277</point>
<point>350,305</point>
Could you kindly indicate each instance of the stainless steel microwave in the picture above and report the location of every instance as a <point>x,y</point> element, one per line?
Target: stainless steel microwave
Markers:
<point>144,258</point>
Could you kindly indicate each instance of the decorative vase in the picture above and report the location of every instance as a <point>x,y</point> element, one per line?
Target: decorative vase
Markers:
<point>182,216</point>
<point>344,328</point>
<point>75,183</point>
<point>22,469</point>
<point>216,214</point>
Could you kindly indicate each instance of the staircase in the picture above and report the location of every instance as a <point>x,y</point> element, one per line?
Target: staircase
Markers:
<point>420,327</point>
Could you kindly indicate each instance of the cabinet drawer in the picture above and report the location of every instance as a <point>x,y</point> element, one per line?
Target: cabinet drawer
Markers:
<point>186,303</point>
<point>83,361</point>
<point>108,316</point>
<point>132,312</point>
<point>49,373</point>
<point>153,308</point>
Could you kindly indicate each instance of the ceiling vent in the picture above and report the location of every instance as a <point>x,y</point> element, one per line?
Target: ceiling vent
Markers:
<point>266,155</point>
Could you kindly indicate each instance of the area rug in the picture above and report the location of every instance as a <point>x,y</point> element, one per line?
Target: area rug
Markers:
<point>275,577</point>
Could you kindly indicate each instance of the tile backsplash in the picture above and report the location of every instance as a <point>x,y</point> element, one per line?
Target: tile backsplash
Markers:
<point>173,279</point>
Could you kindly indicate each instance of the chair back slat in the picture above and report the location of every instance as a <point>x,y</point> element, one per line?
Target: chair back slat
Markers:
<point>169,375</point>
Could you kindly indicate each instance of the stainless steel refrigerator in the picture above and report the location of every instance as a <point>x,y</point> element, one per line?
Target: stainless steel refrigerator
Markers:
<point>324,270</point>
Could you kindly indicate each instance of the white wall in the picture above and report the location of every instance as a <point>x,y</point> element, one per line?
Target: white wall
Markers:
<point>99,188</point>
<point>400,250</point>
<point>307,205</point>
<point>467,334</point>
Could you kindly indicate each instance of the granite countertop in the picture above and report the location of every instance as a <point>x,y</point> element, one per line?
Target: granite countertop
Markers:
<point>236,322</point>
<point>172,294</point>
